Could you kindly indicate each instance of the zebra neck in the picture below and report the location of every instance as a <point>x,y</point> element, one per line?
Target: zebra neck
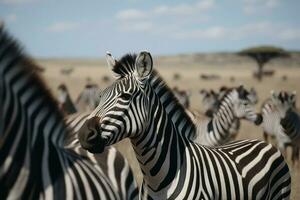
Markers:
<point>177,113</point>
<point>222,120</point>
<point>70,107</point>
<point>290,124</point>
<point>159,149</point>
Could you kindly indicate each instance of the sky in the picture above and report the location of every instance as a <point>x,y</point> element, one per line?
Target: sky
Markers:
<point>77,28</point>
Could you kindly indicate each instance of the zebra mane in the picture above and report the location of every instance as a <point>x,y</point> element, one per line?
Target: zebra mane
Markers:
<point>162,89</point>
<point>125,65</point>
<point>242,93</point>
<point>29,68</point>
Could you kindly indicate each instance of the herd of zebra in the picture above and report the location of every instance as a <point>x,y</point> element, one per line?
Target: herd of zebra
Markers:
<point>182,154</point>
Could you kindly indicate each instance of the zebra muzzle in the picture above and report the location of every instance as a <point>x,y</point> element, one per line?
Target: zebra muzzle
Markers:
<point>92,142</point>
<point>90,138</point>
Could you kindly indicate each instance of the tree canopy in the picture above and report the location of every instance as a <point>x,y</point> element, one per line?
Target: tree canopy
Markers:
<point>263,54</point>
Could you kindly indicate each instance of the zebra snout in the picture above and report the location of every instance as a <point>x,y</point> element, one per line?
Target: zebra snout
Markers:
<point>91,141</point>
<point>258,120</point>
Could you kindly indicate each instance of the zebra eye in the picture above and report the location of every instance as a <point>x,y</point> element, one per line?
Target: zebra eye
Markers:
<point>125,96</point>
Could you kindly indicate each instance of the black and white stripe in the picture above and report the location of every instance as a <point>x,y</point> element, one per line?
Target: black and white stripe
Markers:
<point>88,98</point>
<point>282,121</point>
<point>183,97</point>
<point>34,162</point>
<point>223,124</point>
<point>174,167</point>
<point>211,102</point>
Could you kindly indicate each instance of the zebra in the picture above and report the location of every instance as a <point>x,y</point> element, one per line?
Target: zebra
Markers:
<point>65,101</point>
<point>89,97</point>
<point>252,94</point>
<point>182,96</point>
<point>209,101</point>
<point>173,166</point>
<point>34,162</point>
<point>282,121</point>
<point>224,122</point>
<point>210,104</point>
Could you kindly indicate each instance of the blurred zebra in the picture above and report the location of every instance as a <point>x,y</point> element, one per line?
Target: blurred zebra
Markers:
<point>226,111</point>
<point>182,96</point>
<point>252,94</point>
<point>174,167</point>
<point>282,121</point>
<point>64,99</point>
<point>34,163</point>
<point>209,102</point>
<point>89,98</point>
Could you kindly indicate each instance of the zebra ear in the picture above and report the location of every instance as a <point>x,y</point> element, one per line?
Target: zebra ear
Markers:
<point>111,61</point>
<point>273,94</point>
<point>143,64</point>
<point>293,96</point>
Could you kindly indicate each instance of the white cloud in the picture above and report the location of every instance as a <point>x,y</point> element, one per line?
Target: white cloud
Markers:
<point>166,10</point>
<point>184,9</point>
<point>261,30</point>
<point>161,19</point>
<point>130,14</point>
<point>216,32</point>
<point>142,26</point>
<point>63,27</point>
<point>16,2</point>
<point>256,6</point>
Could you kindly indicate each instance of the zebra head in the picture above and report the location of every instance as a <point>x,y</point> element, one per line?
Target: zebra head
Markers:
<point>244,106</point>
<point>253,95</point>
<point>62,93</point>
<point>122,111</point>
<point>209,101</point>
<point>284,101</point>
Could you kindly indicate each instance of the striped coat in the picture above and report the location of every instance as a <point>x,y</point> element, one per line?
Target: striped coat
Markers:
<point>173,166</point>
<point>34,163</point>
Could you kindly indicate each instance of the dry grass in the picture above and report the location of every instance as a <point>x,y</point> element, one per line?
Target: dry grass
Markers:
<point>189,71</point>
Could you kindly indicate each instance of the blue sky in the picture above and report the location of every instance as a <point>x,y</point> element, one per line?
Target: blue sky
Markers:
<point>76,28</point>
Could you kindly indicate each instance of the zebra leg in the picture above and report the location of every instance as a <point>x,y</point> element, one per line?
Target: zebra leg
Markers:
<point>282,148</point>
<point>265,136</point>
<point>295,156</point>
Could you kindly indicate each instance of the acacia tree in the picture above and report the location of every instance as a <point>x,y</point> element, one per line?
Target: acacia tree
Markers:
<point>262,55</point>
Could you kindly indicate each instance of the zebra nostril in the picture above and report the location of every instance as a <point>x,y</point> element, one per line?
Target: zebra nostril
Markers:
<point>91,141</point>
<point>259,119</point>
<point>92,137</point>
